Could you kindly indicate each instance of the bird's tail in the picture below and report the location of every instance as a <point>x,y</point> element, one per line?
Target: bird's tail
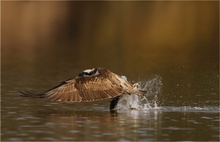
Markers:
<point>33,94</point>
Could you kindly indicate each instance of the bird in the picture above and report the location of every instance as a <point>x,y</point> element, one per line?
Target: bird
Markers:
<point>91,85</point>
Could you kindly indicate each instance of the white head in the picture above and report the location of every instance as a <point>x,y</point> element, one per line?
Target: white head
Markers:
<point>89,70</point>
<point>89,73</point>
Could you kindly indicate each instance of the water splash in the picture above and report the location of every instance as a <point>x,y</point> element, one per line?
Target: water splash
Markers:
<point>153,88</point>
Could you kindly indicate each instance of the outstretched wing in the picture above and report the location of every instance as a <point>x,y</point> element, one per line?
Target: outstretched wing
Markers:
<point>85,89</point>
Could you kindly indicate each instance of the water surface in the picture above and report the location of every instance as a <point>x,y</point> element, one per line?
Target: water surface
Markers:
<point>175,41</point>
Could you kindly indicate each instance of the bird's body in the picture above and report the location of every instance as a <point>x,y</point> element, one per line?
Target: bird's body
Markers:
<point>92,85</point>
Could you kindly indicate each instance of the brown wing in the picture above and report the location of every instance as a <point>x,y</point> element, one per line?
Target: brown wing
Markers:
<point>85,89</point>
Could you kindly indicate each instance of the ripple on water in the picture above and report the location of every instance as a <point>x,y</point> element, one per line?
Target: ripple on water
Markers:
<point>74,131</point>
<point>28,117</point>
<point>177,128</point>
<point>194,122</point>
<point>50,124</point>
<point>49,139</point>
<point>66,138</point>
<point>23,134</point>
<point>204,117</point>
<point>15,139</point>
<point>11,112</point>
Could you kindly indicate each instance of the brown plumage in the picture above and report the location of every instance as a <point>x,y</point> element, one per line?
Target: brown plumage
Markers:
<point>91,85</point>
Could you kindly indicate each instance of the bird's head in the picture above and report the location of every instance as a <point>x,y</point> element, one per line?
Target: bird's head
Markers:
<point>89,73</point>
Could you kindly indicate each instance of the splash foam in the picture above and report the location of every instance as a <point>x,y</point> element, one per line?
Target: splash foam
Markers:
<point>153,88</point>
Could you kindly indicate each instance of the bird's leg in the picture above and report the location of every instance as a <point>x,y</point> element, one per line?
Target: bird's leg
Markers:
<point>114,103</point>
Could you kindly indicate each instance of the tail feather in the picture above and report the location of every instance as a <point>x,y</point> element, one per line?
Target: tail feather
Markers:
<point>33,94</point>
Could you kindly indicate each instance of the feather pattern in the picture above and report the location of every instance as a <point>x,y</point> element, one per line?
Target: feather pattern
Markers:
<point>86,89</point>
<point>91,85</point>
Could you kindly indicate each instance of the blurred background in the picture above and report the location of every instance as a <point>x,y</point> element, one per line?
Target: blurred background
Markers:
<point>54,41</point>
<point>45,43</point>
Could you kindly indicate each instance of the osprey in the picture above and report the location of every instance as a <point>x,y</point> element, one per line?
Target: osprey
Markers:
<point>91,85</point>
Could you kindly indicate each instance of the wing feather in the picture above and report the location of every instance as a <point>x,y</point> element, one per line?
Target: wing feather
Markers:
<point>84,89</point>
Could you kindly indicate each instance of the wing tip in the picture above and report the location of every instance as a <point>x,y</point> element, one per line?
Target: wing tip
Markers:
<point>28,93</point>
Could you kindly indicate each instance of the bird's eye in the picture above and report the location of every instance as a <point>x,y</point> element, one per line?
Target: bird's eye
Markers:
<point>86,73</point>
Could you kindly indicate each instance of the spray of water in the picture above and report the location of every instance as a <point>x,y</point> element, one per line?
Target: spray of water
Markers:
<point>153,88</point>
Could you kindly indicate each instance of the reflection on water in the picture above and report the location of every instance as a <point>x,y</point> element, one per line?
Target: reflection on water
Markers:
<point>45,43</point>
<point>43,120</point>
<point>67,122</point>
<point>134,125</point>
<point>113,126</point>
